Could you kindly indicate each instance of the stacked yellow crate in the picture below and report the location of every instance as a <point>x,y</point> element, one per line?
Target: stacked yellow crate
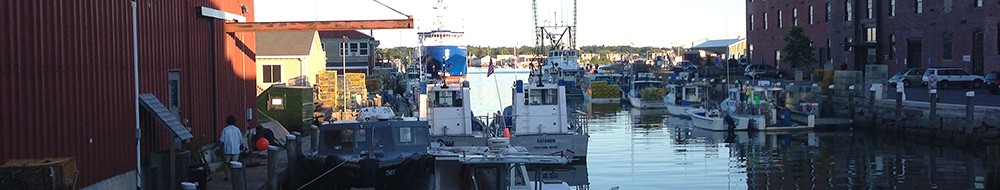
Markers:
<point>328,94</point>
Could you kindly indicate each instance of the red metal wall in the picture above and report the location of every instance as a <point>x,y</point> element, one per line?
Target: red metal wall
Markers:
<point>66,86</point>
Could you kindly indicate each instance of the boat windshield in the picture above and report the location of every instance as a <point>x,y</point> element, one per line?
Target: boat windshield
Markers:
<point>447,99</point>
<point>339,139</point>
<point>542,97</point>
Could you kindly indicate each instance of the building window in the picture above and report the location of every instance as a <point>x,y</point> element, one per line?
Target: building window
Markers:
<point>892,7</point>
<point>848,11</point>
<point>871,7</point>
<point>355,49</point>
<point>947,51</point>
<point>780,21</point>
<point>795,17</point>
<point>892,46</point>
<point>998,38</point>
<point>765,21</point>
<point>948,5</point>
<point>174,89</point>
<point>363,49</point>
<point>847,43</point>
<point>272,73</point>
<point>871,37</point>
<point>828,46</point>
<point>323,45</point>
<point>777,57</point>
<point>810,15</point>
<point>829,10</point>
<point>979,3</point>
<point>751,21</point>
<point>919,8</point>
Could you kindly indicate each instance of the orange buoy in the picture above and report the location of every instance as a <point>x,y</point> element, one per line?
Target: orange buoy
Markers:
<point>262,144</point>
<point>506,132</point>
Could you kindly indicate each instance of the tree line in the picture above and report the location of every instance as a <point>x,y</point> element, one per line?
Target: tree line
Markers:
<point>479,51</point>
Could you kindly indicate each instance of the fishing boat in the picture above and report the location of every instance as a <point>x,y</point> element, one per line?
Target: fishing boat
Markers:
<point>746,110</point>
<point>602,88</point>
<point>374,151</point>
<point>538,119</point>
<point>444,96</point>
<point>495,166</point>
<point>709,119</point>
<point>646,93</point>
<point>682,98</point>
<point>563,65</point>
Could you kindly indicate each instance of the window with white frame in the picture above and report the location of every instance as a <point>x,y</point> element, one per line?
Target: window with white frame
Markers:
<point>355,49</point>
<point>751,21</point>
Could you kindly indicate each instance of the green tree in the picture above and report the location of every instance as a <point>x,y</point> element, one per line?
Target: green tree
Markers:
<point>798,50</point>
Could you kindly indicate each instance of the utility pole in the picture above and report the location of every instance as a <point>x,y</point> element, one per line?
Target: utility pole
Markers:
<point>343,57</point>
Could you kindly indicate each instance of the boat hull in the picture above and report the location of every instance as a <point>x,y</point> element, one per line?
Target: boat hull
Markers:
<point>745,122</point>
<point>678,110</point>
<point>639,103</point>
<point>561,144</point>
<point>704,122</point>
<point>414,171</point>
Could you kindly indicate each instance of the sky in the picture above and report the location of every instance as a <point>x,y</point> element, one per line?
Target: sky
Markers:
<point>657,23</point>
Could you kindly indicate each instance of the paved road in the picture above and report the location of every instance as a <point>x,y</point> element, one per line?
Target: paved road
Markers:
<point>951,96</point>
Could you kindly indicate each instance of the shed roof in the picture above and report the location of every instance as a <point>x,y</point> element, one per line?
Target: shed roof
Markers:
<point>284,43</point>
<point>718,43</point>
<point>352,34</point>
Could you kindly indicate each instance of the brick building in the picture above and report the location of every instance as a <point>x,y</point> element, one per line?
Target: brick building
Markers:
<point>848,34</point>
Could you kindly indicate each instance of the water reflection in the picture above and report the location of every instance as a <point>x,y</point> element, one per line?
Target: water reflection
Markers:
<point>644,149</point>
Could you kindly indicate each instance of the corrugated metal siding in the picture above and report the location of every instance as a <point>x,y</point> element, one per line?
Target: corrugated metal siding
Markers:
<point>66,77</point>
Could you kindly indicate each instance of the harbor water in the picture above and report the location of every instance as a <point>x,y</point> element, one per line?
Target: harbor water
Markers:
<point>646,149</point>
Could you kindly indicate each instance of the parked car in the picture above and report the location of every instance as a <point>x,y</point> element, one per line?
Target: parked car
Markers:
<point>993,82</point>
<point>948,77</point>
<point>757,71</point>
<point>685,66</point>
<point>908,77</point>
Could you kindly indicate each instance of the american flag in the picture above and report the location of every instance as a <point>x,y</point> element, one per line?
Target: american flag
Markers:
<point>490,70</point>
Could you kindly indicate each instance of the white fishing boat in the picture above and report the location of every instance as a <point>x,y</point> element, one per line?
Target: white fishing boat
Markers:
<point>682,98</point>
<point>749,114</point>
<point>707,119</point>
<point>538,119</point>
<point>635,94</point>
<point>563,66</point>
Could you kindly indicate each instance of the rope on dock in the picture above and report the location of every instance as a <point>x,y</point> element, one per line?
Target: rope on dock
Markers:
<point>324,174</point>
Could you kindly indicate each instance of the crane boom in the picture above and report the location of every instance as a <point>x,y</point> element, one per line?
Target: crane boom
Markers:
<point>319,25</point>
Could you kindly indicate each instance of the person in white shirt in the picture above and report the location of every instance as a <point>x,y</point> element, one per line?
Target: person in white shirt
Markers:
<point>231,139</point>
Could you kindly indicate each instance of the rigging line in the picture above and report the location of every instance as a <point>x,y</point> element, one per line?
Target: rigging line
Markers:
<point>324,173</point>
<point>390,8</point>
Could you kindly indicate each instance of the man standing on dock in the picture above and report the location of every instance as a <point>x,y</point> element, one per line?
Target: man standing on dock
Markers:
<point>231,140</point>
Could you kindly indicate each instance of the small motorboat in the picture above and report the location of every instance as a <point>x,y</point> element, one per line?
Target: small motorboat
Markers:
<point>707,119</point>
